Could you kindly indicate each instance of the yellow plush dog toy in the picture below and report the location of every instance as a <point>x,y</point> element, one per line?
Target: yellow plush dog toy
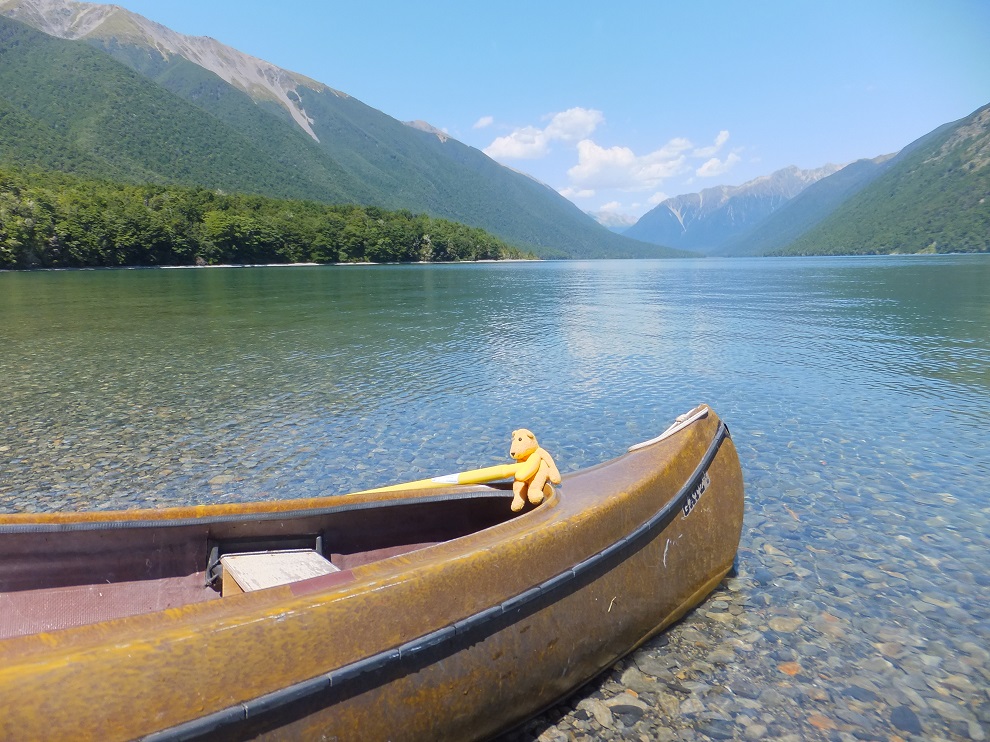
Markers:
<point>537,471</point>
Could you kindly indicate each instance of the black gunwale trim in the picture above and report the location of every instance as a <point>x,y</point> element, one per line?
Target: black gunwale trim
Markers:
<point>426,645</point>
<point>114,525</point>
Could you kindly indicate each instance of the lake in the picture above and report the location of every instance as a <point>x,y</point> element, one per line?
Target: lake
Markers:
<point>857,391</point>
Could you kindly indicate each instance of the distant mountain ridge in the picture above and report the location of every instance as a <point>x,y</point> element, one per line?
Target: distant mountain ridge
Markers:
<point>200,113</point>
<point>933,196</point>
<point>613,220</point>
<point>707,220</point>
<point>805,210</point>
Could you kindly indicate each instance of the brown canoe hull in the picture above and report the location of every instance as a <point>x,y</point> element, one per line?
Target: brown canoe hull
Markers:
<point>458,640</point>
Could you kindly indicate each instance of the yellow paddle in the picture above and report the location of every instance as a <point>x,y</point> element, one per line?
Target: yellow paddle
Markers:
<point>472,476</point>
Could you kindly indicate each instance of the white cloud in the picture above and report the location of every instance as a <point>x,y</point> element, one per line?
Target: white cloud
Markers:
<point>600,168</point>
<point>573,124</point>
<point>720,140</point>
<point>715,166</point>
<point>531,143</point>
<point>620,167</point>
<point>612,207</point>
<point>527,143</point>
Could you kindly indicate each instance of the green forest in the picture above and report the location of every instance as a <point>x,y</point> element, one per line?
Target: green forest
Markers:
<point>54,220</point>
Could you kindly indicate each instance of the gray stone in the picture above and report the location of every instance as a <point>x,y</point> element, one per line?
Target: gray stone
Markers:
<point>719,729</point>
<point>692,706</point>
<point>756,731</point>
<point>599,711</point>
<point>961,682</point>
<point>695,637</point>
<point>860,694</point>
<point>626,699</point>
<point>854,718</point>
<point>669,704</point>
<point>785,624</point>
<point>771,697</point>
<point>628,713</point>
<point>905,719</point>
<point>652,665</point>
<point>744,688</point>
<point>951,711</point>
<point>636,680</point>
<point>722,656</point>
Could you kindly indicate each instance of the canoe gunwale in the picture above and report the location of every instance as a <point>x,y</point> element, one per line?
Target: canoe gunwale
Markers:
<point>412,655</point>
<point>261,516</point>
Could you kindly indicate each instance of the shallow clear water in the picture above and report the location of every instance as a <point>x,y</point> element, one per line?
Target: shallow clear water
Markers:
<point>857,391</point>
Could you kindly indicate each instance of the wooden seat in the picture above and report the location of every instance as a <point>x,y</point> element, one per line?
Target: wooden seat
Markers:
<point>245,572</point>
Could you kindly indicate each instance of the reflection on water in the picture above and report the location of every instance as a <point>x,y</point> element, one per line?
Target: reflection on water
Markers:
<point>857,390</point>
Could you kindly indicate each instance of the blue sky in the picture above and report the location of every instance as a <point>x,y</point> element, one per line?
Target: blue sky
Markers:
<point>618,105</point>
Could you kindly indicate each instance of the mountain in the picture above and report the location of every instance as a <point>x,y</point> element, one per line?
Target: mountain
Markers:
<point>805,210</point>
<point>107,93</point>
<point>83,107</point>
<point>613,220</point>
<point>707,220</point>
<point>934,196</point>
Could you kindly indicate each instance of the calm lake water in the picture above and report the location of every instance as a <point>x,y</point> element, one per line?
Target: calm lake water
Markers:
<point>857,391</point>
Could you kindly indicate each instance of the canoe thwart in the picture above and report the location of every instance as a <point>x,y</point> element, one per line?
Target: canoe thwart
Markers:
<point>246,572</point>
<point>218,548</point>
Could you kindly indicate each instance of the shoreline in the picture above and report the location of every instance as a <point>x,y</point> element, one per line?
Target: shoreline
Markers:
<point>265,265</point>
<point>482,261</point>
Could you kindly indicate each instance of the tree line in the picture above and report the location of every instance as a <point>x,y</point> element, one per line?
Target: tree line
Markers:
<point>55,220</point>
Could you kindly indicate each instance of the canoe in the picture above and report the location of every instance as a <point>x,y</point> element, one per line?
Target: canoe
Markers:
<point>426,613</point>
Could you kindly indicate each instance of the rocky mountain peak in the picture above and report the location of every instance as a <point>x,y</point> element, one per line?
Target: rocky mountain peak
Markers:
<point>706,219</point>
<point>260,79</point>
<point>974,136</point>
<point>429,129</point>
<point>66,20</point>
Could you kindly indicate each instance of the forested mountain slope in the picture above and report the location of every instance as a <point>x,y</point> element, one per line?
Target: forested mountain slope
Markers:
<point>135,101</point>
<point>57,220</point>
<point>934,197</point>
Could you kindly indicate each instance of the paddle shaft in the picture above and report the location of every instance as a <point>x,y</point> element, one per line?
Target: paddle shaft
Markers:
<point>472,476</point>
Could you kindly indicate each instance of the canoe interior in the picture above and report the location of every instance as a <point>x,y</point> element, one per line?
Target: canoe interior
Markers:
<point>55,576</point>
